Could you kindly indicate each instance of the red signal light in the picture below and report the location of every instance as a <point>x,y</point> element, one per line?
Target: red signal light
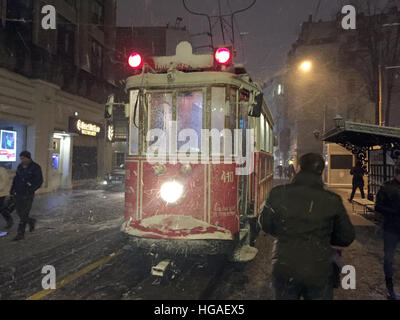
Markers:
<point>135,60</point>
<point>223,56</point>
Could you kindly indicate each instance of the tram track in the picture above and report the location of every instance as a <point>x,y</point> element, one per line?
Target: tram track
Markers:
<point>24,277</point>
<point>86,272</point>
<point>196,280</point>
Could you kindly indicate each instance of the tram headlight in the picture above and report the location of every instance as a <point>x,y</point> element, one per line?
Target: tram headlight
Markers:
<point>172,191</point>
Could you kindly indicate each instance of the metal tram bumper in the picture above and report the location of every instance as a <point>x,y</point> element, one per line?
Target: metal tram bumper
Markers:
<point>185,247</point>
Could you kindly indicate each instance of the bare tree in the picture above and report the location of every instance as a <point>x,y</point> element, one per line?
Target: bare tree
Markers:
<point>377,46</point>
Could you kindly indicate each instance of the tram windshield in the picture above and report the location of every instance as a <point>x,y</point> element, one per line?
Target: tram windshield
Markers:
<point>155,112</point>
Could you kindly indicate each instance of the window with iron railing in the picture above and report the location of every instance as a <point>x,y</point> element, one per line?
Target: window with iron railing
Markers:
<point>97,12</point>
<point>96,63</point>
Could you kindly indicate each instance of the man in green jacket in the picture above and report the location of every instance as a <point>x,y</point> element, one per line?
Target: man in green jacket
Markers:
<point>306,221</point>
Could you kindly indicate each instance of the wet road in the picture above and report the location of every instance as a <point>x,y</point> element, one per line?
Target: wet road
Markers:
<point>78,233</point>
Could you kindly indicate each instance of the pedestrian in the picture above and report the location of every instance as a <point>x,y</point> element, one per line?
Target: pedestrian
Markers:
<point>291,171</point>
<point>27,180</point>
<point>358,173</point>
<point>306,221</point>
<point>388,204</point>
<point>285,172</point>
<point>280,172</point>
<point>5,201</point>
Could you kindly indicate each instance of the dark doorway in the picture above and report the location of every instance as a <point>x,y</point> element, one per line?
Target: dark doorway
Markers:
<point>84,163</point>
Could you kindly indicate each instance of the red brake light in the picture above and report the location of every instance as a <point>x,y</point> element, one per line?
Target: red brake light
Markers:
<point>135,60</point>
<point>223,56</point>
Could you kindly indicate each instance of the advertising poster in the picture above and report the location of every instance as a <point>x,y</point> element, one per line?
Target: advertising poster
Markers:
<point>8,146</point>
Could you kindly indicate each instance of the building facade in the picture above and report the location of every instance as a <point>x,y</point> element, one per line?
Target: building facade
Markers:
<point>320,82</point>
<point>331,72</point>
<point>54,85</point>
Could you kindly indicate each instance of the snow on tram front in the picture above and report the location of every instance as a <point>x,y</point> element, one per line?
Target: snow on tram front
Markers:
<point>200,160</point>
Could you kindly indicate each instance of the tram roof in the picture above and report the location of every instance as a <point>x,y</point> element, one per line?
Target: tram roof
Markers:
<point>186,68</point>
<point>362,134</point>
<point>179,79</point>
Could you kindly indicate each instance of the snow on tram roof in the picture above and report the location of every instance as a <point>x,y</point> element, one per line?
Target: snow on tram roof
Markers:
<point>173,71</point>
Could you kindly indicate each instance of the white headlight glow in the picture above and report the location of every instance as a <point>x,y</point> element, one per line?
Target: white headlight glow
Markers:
<point>171,191</point>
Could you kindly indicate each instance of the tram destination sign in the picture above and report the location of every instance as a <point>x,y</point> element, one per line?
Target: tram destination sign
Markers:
<point>83,127</point>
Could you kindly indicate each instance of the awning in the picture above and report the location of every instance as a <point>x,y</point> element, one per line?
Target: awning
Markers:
<point>363,135</point>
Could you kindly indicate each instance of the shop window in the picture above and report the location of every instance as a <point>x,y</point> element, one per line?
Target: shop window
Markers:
<point>190,116</point>
<point>341,162</point>
<point>120,159</point>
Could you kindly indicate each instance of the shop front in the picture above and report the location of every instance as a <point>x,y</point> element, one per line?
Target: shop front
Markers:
<point>86,158</point>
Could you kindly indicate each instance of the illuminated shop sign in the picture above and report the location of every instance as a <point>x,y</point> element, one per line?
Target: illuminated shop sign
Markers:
<point>110,133</point>
<point>85,127</point>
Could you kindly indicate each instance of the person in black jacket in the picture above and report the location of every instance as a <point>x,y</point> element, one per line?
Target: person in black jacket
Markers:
<point>306,221</point>
<point>7,206</point>
<point>388,204</point>
<point>27,180</point>
<point>358,173</point>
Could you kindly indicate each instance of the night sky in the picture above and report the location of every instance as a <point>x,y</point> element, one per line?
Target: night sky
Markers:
<point>272,25</point>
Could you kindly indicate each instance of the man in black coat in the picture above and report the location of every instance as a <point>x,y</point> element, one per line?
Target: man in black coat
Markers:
<point>27,180</point>
<point>306,221</point>
<point>7,206</point>
<point>358,173</point>
<point>388,204</point>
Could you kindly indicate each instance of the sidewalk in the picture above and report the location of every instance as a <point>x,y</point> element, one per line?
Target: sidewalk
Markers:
<point>366,255</point>
<point>63,217</point>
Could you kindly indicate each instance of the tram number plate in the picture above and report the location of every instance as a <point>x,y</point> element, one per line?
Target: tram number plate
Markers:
<point>227,176</point>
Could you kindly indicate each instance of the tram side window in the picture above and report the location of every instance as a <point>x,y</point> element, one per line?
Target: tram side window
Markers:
<point>271,143</point>
<point>232,111</point>
<point>218,116</point>
<point>134,122</point>
<point>190,117</point>
<point>243,125</point>
<point>232,116</point>
<point>267,136</point>
<point>262,132</point>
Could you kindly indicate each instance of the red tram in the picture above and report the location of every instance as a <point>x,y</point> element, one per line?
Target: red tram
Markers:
<point>187,197</point>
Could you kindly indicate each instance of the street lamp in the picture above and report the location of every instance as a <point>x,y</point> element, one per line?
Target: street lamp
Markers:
<point>306,66</point>
<point>339,121</point>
